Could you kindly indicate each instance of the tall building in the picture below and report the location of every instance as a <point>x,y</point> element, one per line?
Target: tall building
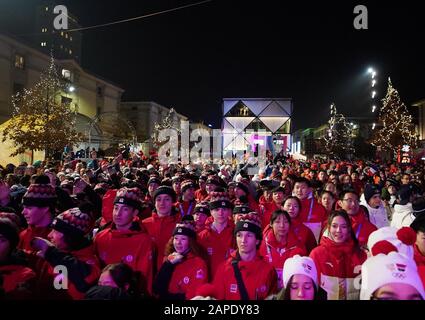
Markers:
<point>89,94</point>
<point>64,44</point>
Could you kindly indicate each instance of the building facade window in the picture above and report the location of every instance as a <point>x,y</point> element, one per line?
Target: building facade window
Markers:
<point>47,8</point>
<point>43,30</point>
<point>19,61</point>
<point>70,38</point>
<point>43,44</point>
<point>70,51</point>
<point>67,74</point>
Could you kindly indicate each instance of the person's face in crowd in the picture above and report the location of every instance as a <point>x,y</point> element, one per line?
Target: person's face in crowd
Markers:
<point>247,242</point>
<point>163,204</point>
<point>312,175</point>
<point>210,187</point>
<point>405,179</point>
<point>4,248</point>
<point>57,238</point>
<point>396,291</point>
<point>231,192</point>
<point>331,188</point>
<point>239,192</point>
<point>123,215</point>
<point>346,179</point>
<point>301,287</point>
<point>339,230</point>
<point>350,203</point>
<point>278,197</point>
<point>301,190</point>
<point>354,176</point>
<point>177,187</point>
<point>268,195</point>
<point>200,218</point>
<point>181,243</point>
<point>35,216</point>
<point>291,206</point>
<point>189,194</point>
<point>392,190</point>
<point>322,176</point>
<point>420,241</point>
<point>152,187</point>
<point>202,184</point>
<point>281,227</point>
<point>4,190</point>
<point>327,201</point>
<point>106,279</point>
<point>375,201</point>
<point>221,215</point>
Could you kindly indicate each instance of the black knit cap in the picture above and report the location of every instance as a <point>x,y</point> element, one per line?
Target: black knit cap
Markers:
<point>130,197</point>
<point>165,190</point>
<point>241,209</point>
<point>249,222</point>
<point>202,209</point>
<point>185,228</point>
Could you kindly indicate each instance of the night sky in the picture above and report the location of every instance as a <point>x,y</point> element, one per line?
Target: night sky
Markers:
<point>305,50</point>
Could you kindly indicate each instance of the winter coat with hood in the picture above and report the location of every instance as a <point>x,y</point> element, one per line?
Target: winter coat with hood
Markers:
<point>133,247</point>
<point>219,246</point>
<point>181,280</point>
<point>276,253</point>
<point>377,216</point>
<point>402,215</point>
<point>338,266</point>
<point>259,278</point>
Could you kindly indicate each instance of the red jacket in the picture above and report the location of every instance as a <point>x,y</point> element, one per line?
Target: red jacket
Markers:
<point>317,213</point>
<point>418,256</point>
<point>362,227</point>
<point>30,233</point>
<point>83,269</point>
<point>201,195</point>
<point>188,275</point>
<point>304,235</point>
<point>276,254</point>
<point>259,277</point>
<point>218,245</point>
<point>134,247</point>
<point>108,206</point>
<point>14,278</point>
<point>266,209</point>
<point>160,229</point>
<point>338,265</point>
<point>185,208</point>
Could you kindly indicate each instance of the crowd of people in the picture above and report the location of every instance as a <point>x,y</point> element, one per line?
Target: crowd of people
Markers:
<point>131,228</point>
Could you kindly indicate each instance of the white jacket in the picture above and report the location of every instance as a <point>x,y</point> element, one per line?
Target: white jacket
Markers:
<point>378,216</point>
<point>402,216</point>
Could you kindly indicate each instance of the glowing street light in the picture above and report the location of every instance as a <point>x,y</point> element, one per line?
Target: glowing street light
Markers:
<point>71,89</point>
<point>373,108</point>
<point>370,70</point>
<point>373,94</point>
<point>373,83</point>
<point>373,74</point>
<point>373,126</point>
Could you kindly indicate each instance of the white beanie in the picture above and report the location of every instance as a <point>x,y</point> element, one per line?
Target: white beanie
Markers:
<point>299,265</point>
<point>391,234</point>
<point>382,269</point>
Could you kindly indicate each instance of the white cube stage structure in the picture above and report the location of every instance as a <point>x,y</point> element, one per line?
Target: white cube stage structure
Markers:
<point>249,121</point>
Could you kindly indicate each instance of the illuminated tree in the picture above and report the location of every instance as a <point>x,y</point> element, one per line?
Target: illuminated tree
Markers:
<point>339,138</point>
<point>40,119</point>
<point>395,124</point>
